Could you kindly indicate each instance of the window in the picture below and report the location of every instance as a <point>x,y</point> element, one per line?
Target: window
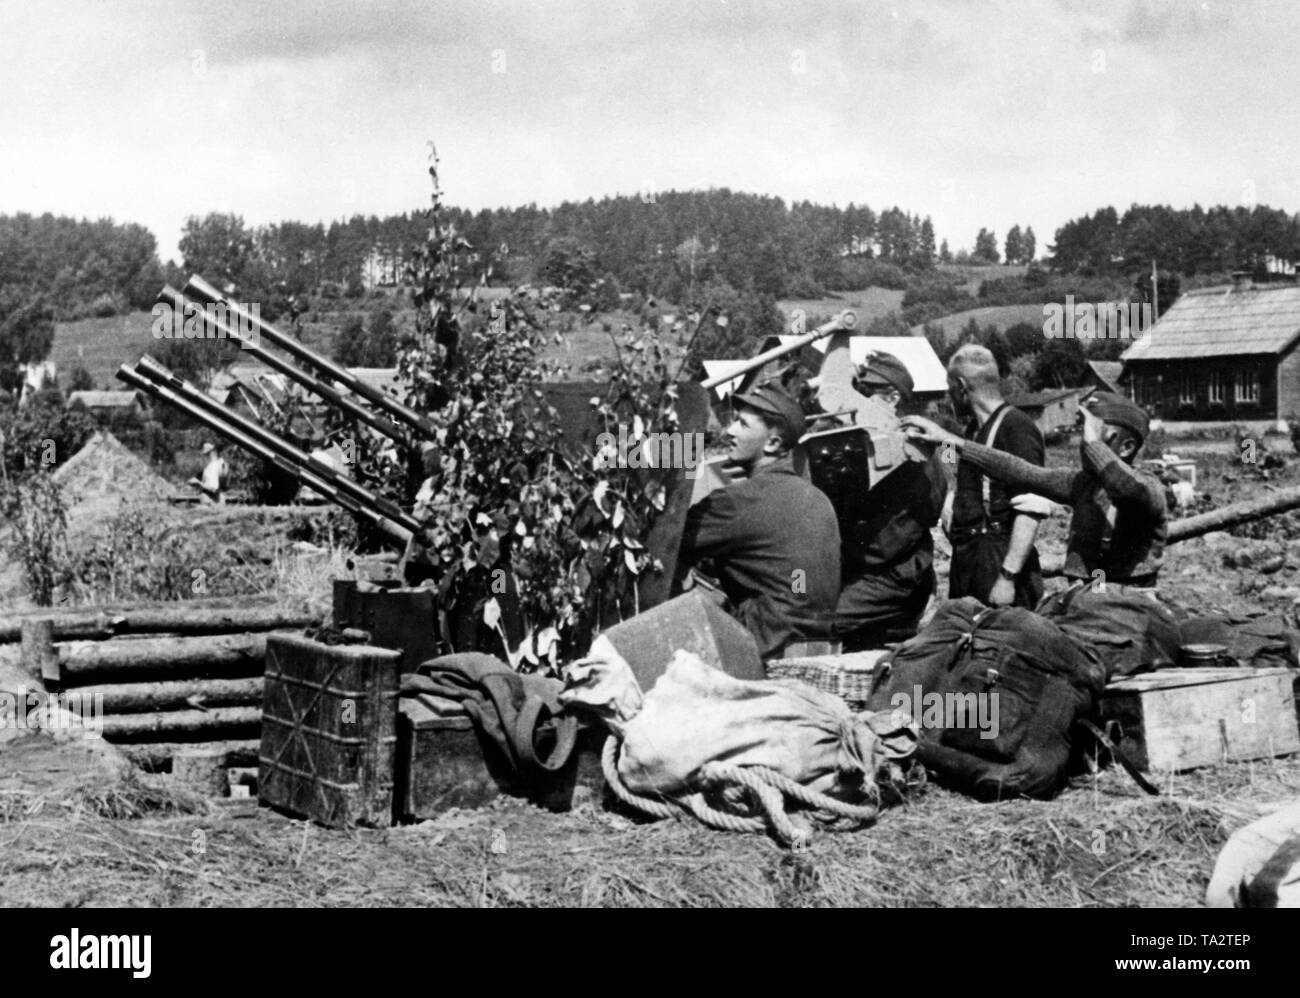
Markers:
<point>1187,388</point>
<point>1216,387</point>
<point>1247,387</point>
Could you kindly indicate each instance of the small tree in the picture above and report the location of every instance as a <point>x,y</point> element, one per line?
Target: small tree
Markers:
<point>1028,246</point>
<point>26,332</point>
<point>80,380</point>
<point>1015,247</point>
<point>986,247</point>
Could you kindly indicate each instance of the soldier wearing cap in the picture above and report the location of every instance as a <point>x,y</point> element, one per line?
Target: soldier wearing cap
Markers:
<point>888,550</point>
<point>1120,512</point>
<point>772,539</point>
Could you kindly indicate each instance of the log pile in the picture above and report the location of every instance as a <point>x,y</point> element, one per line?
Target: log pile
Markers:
<point>172,680</point>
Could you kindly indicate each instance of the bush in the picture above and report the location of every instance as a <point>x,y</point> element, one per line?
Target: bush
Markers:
<point>34,507</point>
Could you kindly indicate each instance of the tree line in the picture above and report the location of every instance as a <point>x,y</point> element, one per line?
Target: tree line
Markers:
<point>1189,241</point>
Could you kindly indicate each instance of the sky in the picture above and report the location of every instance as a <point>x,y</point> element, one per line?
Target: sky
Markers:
<point>979,113</point>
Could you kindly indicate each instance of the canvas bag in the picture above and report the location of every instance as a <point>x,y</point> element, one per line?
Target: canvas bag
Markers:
<point>1041,681</point>
<point>696,714</point>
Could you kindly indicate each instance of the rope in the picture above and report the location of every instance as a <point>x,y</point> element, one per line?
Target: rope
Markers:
<point>767,787</point>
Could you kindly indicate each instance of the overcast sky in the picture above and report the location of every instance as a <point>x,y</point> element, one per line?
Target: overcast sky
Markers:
<point>976,113</point>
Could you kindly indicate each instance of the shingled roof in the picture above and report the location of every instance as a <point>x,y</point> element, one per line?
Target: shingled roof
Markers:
<point>1221,322</point>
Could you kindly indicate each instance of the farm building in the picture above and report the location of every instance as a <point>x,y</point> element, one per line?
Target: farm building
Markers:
<point>1221,355</point>
<point>106,404</point>
<point>1053,410</point>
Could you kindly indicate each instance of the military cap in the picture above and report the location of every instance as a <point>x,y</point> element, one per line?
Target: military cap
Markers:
<point>775,402</point>
<point>1117,410</point>
<point>884,369</point>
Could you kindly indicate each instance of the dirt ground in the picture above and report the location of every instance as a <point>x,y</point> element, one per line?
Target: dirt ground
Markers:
<point>1102,842</point>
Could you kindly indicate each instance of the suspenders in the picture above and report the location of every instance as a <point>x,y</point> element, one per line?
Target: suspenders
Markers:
<point>985,484</point>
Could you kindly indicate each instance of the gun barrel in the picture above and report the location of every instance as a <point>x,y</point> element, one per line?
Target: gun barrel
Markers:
<point>846,320</point>
<point>157,373</point>
<point>201,289</point>
<point>400,534</point>
<point>176,300</point>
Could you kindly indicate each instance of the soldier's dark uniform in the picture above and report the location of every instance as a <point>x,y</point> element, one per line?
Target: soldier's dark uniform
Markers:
<point>888,550</point>
<point>1120,512</point>
<point>774,546</point>
<point>982,512</point>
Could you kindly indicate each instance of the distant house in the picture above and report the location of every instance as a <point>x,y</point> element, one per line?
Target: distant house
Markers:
<point>1104,375</point>
<point>1053,411</point>
<point>249,389</point>
<point>104,405</point>
<point>382,378</point>
<point>1224,354</point>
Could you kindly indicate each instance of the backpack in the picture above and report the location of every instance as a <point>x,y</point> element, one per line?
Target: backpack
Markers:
<point>1127,629</point>
<point>996,693</point>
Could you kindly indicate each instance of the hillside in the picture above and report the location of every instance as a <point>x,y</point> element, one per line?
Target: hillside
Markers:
<point>1002,316</point>
<point>102,345</point>
<point>871,303</point>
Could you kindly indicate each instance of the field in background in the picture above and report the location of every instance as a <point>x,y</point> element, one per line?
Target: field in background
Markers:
<point>1002,316</point>
<point>871,303</point>
<point>974,275</point>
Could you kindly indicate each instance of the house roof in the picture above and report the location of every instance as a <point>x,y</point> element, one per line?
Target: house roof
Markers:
<point>1221,322</point>
<point>1036,400</point>
<point>103,400</point>
<point>383,378</point>
<point>1107,371</point>
<point>922,363</point>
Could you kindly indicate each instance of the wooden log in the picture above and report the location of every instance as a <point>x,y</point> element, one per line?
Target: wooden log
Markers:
<point>1234,515</point>
<point>132,698</point>
<point>157,756</point>
<point>39,656</point>
<point>175,725</point>
<point>175,618</point>
<point>201,769</point>
<point>141,659</point>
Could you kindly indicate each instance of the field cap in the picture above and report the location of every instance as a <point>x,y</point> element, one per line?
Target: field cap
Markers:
<point>1112,408</point>
<point>208,448</point>
<point>772,400</point>
<point>884,369</point>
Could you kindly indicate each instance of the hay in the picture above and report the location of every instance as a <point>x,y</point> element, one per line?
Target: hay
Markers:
<point>1101,843</point>
<point>103,473</point>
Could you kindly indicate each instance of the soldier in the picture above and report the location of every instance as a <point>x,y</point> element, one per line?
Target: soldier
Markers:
<point>212,484</point>
<point>993,525</point>
<point>1120,512</point>
<point>888,551</point>
<point>773,539</point>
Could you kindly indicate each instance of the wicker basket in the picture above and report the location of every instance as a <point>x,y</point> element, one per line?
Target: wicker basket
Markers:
<point>847,676</point>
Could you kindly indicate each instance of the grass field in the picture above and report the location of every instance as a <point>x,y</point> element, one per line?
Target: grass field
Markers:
<point>974,276</point>
<point>1002,316</point>
<point>869,304</point>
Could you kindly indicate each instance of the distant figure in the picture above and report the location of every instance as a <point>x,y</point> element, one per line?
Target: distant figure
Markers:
<point>215,472</point>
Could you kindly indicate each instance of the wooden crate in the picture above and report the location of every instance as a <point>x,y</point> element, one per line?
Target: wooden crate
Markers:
<point>329,730</point>
<point>443,762</point>
<point>1177,719</point>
